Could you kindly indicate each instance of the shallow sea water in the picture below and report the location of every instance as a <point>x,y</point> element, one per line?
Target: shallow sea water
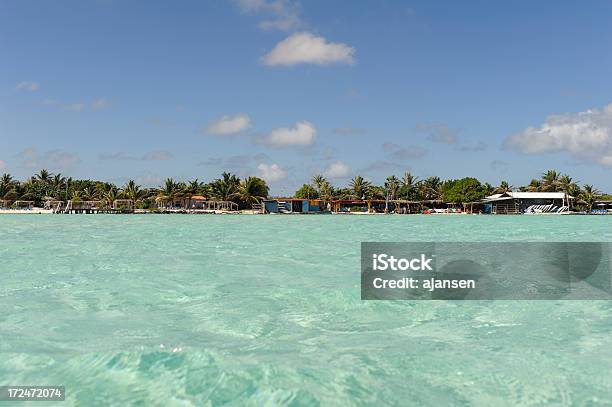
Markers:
<point>265,310</point>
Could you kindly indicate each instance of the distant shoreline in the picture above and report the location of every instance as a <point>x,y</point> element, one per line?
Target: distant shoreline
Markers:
<point>42,211</point>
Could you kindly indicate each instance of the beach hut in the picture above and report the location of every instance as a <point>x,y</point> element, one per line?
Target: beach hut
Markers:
<point>52,204</point>
<point>404,206</point>
<point>524,202</point>
<point>196,202</point>
<point>603,206</point>
<point>316,206</point>
<point>96,204</point>
<point>355,205</point>
<point>123,204</point>
<point>24,204</point>
<point>5,204</point>
<point>225,206</point>
<point>280,205</point>
<point>162,203</point>
<point>270,206</point>
<point>296,205</point>
<point>88,206</point>
<point>291,205</point>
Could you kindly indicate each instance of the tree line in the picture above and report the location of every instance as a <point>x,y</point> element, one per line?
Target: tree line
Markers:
<point>45,186</point>
<point>463,190</point>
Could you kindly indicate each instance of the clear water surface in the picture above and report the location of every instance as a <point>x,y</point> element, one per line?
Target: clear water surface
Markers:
<point>184,310</point>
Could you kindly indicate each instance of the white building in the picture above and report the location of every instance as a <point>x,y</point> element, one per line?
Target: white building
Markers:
<point>527,202</point>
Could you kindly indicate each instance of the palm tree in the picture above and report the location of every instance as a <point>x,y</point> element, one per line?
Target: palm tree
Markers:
<point>109,194</point>
<point>392,184</point>
<point>58,181</point>
<point>565,185</point>
<point>360,186</point>
<point>408,186</point>
<point>226,187</point>
<point>6,179</point>
<point>193,187</point>
<point>190,189</point>
<point>318,181</point>
<point>589,194</point>
<point>574,191</point>
<point>77,196</point>
<point>89,194</point>
<point>252,190</point>
<point>430,188</point>
<point>327,191</point>
<point>43,176</point>
<point>409,180</point>
<point>503,188</point>
<point>133,192</point>
<point>8,188</point>
<point>534,186</point>
<point>169,192</point>
<point>376,192</point>
<point>100,189</point>
<point>550,181</point>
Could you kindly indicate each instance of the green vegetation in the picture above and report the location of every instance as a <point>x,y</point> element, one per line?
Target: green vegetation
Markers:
<point>307,192</point>
<point>245,192</point>
<point>252,190</point>
<point>411,188</point>
<point>463,190</point>
<point>45,186</point>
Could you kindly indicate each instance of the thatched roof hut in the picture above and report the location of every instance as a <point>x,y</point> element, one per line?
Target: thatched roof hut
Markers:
<point>126,204</point>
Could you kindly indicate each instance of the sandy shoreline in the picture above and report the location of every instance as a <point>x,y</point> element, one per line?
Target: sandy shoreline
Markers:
<point>35,211</point>
<point>42,211</point>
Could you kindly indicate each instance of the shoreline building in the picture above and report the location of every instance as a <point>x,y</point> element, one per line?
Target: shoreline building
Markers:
<point>525,202</point>
<point>291,205</point>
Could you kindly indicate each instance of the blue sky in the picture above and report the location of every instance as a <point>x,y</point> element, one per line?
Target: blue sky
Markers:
<point>113,90</point>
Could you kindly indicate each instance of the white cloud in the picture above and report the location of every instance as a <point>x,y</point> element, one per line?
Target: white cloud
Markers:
<point>283,14</point>
<point>271,173</point>
<point>307,48</point>
<point>100,104</point>
<point>337,169</point>
<point>585,135</point>
<point>229,124</point>
<point>30,86</point>
<point>2,165</point>
<point>303,134</point>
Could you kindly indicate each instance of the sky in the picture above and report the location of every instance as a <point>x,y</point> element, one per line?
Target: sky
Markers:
<point>285,89</point>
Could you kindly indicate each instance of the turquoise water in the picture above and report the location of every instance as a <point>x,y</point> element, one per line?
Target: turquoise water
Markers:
<point>184,310</point>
